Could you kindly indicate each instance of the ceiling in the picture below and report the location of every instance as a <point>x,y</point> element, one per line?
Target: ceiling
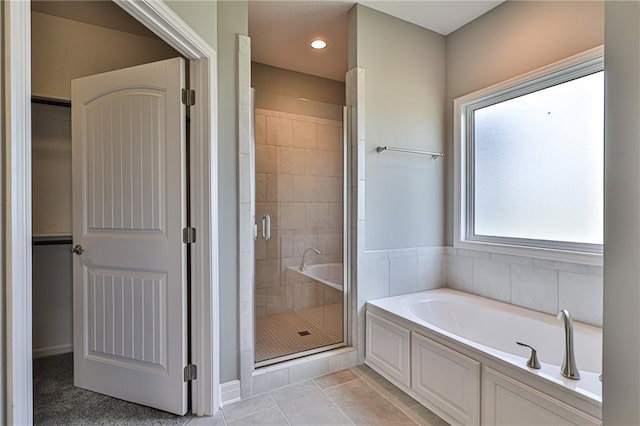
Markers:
<point>299,22</point>
<point>443,17</point>
<point>281,30</point>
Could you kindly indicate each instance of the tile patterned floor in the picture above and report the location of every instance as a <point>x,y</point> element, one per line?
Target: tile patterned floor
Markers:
<point>357,396</point>
<point>277,335</point>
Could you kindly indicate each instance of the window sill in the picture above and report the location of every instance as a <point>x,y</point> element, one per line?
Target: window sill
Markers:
<point>593,259</point>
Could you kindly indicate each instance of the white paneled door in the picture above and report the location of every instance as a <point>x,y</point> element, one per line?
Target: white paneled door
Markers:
<point>129,210</point>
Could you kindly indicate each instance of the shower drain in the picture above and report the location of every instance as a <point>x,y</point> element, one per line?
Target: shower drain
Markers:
<point>304,333</point>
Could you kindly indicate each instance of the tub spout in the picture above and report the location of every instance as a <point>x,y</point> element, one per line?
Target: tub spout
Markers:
<point>303,265</point>
<point>569,367</point>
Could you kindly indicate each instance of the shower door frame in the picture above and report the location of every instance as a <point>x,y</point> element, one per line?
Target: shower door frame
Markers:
<point>346,250</point>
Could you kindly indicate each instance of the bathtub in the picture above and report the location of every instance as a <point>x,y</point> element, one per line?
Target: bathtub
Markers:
<point>329,274</point>
<point>485,331</point>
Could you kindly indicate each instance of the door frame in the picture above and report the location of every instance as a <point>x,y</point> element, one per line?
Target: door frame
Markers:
<point>17,406</point>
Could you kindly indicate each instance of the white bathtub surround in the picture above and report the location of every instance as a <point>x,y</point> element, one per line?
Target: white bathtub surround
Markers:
<point>538,284</point>
<point>384,273</point>
<point>582,295</point>
<point>327,274</point>
<point>443,333</point>
<point>458,271</point>
<point>392,272</point>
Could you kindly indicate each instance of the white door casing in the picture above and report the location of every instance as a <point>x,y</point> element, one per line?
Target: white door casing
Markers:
<point>129,209</point>
<point>17,408</point>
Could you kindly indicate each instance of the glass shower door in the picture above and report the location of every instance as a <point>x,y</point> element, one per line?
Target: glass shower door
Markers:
<point>299,163</point>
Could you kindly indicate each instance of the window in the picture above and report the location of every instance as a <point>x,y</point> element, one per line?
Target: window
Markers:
<point>531,161</point>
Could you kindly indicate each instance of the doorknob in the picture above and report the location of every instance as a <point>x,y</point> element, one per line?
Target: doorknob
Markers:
<point>77,249</point>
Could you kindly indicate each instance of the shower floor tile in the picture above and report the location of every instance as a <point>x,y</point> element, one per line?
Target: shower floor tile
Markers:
<point>291,332</point>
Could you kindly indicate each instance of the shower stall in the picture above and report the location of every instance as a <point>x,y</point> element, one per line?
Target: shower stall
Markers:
<point>299,169</point>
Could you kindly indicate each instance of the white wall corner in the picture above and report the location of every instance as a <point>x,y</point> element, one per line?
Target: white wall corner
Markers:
<point>356,143</point>
<point>351,86</point>
<point>246,216</point>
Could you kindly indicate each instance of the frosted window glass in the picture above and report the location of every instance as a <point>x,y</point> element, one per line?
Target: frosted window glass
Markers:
<point>539,164</point>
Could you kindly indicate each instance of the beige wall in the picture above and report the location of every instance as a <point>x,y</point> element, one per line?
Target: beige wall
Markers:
<point>201,15</point>
<point>51,169</point>
<point>512,39</point>
<point>404,106</point>
<point>52,299</point>
<point>265,78</point>
<point>63,49</point>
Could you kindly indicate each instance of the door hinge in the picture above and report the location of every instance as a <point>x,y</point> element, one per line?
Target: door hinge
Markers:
<point>188,235</point>
<point>190,372</point>
<point>188,97</point>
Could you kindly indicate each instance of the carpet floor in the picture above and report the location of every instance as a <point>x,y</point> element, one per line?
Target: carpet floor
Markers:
<point>57,402</point>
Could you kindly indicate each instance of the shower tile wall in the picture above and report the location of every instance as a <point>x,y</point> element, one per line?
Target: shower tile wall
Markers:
<point>299,182</point>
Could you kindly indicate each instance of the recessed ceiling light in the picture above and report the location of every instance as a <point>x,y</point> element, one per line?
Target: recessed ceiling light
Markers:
<point>318,44</point>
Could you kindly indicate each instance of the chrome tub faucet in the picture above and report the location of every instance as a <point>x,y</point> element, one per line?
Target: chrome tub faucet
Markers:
<point>569,367</point>
<point>303,265</point>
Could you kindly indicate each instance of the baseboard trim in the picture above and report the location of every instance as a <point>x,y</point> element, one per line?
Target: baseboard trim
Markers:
<point>230,392</point>
<point>52,350</point>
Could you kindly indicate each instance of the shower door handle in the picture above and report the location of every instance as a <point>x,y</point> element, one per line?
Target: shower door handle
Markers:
<point>266,227</point>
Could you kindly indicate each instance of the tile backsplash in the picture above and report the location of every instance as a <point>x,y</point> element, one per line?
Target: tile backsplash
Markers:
<point>541,285</point>
<point>384,273</point>
<point>537,284</point>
